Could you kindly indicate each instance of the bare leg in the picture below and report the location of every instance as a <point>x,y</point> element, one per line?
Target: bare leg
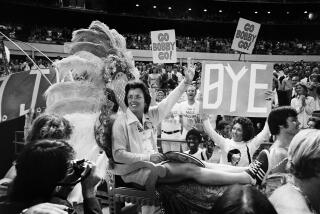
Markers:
<point>224,167</point>
<point>177,172</point>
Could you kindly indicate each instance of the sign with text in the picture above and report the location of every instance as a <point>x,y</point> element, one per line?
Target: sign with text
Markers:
<point>164,46</point>
<point>24,90</point>
<point>245,36</point>
<point>236,88</point>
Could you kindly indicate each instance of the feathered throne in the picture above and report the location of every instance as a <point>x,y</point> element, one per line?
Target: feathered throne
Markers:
<point>95,72</point>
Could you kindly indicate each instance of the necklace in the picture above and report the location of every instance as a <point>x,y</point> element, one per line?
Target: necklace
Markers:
<point>308,202</point>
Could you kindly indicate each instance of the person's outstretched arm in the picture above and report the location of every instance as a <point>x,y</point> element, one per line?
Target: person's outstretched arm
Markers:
<point>263,136</point>
<point>217,138</point>
<point>165,106</point>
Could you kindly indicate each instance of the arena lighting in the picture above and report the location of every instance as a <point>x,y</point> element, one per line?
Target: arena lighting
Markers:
<point>204,10</point>
<point>137,5</point>
<point>311,16</point>
<point>154,6</point>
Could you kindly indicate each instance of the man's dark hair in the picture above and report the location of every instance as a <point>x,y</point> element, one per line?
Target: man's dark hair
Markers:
<point>194,132</point>
<point>138,84</point>
<point>40,166</point>
<point>278,117</point>
<point>222,124</point>
<point>243,199</point>
<point>232,152</point>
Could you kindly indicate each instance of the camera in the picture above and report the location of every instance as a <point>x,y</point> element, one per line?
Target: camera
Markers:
<point>80,168</point>
<point>77,171</point>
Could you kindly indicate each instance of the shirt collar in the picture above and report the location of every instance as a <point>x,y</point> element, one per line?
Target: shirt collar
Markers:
<point>132,118</point>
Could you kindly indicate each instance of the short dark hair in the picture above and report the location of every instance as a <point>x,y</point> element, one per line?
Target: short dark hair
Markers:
<point>40,166</point>
<point>247,127</point>
<point>243,199</point>
<point>232,152</point>
<point>222,124</point>
<point>134,84</point>
<point>316,120</point>
<point>194,132</point>
<point>49,126</point>
<point>278,117</point>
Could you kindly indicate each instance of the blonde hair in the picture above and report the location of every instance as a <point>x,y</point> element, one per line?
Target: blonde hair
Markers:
<point>304,154</point>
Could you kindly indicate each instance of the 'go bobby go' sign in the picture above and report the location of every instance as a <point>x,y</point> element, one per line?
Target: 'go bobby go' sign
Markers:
<point>236,88</point>
<point>245,36</point>
<point>164,46</point>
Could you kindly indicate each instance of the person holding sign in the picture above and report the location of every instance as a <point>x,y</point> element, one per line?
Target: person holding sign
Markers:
<point>241,139</point>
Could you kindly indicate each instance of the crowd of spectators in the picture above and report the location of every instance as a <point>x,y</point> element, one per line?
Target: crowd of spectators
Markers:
<point>142,41</point>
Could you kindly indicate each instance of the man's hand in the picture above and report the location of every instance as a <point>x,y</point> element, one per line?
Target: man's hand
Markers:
<point>90,183</point>
<point>47,208</point>
<point>157,158</point>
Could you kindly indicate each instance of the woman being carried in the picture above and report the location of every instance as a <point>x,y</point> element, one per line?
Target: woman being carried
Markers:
<point>134,139</point>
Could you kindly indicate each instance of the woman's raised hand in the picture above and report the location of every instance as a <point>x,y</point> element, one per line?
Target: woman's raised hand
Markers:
<point>189,73</point>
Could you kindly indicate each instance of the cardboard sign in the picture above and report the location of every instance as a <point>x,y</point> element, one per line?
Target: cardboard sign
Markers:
<point>236,88</point>
<point>164,46</point>
<point>24,90</point>
<point>245,36</point>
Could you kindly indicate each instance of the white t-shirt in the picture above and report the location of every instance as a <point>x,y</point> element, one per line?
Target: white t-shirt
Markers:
<point>197,154</point>
<point>171,122</point>
<point>226,145</point>
<point>190,115</point>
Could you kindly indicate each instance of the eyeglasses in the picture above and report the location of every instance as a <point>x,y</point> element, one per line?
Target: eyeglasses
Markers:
<point>137,97</point>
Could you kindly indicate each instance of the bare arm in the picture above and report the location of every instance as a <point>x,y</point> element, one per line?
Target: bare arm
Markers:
<point>263,136</point>
<point>218,139</point>
<point>166,105</point>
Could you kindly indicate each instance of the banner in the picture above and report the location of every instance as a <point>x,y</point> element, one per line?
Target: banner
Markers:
<point>24,90</point>
<point>245,36</point>
<point>236,88</point>
<point>164,46</point>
